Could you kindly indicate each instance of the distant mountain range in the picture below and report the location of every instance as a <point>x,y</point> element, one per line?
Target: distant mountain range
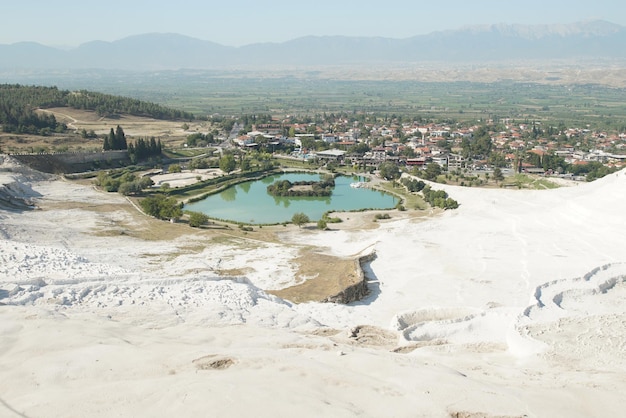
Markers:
<point>491,43</point>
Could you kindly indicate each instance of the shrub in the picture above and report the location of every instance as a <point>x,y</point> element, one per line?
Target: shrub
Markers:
<point>299,219</point>
<point>162,207</point>
<point>439,198</point>
<point>174,168</point>
<point>197,219</point>
<point>413,185</point>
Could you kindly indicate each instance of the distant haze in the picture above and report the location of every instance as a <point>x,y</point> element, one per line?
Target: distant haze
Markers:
<point>69,23</point>
<point>481,44</point>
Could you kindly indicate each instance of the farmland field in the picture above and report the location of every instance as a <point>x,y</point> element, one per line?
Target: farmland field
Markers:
<point>592,98</point>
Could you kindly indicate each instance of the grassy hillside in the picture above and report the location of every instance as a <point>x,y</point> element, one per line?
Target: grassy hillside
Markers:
<point>18,104</point>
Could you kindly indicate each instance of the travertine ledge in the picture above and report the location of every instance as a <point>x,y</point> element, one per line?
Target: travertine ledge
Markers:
<point>358,290</point>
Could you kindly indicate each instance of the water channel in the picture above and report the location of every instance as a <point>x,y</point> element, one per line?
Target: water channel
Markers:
<point>249,202</point>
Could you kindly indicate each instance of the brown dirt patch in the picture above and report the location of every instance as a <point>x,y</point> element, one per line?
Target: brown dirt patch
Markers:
<point>14,143</point>
<point>169,132</point>
<point>322,275</point>
<point>213,362</point>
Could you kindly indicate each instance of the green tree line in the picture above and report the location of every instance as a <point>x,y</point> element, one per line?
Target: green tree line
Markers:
<point>17,109</point>
<point>318,188</point>
<point>107,105</point>
<point>439,198</point>
<point>140,149</point>
<point>115,140</point>
<point>144,148</point>
<point>18,104</point>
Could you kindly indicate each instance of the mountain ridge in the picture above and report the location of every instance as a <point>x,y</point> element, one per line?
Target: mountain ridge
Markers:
<point>171,51</point>
<point>588,28</point>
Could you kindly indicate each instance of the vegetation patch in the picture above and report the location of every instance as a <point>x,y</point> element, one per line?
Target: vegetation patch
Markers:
<point>162,207</point>
<point>212,362</point>
<point>439,198</point>
<point>197,219</point>
<point>525,181</point>
<point>286,188</point>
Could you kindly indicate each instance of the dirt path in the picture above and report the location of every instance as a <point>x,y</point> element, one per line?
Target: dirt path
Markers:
<point>64,115</point>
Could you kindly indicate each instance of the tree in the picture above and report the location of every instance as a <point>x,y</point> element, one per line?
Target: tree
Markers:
<point>174,168</point>
<point>146,182</point>
<point>450,203</point>
<point>307,142</point>
<point>120,138</point>
<point>130,187</point>
<point>482,144</point>
<point>197,219</point>
<point>227,163</point>
<point>389,171</point>
<point>497,159</point>
<point>162,207</point>
<point>444,144</point>
<point>360,148</point>
<point>497,174</point>
<point>431,172</point>
<point>109,141</point>
<point>261,140</point>
<point>299,219</point>
<point>479,145</point>
<point>413,185</point>
<point>116,140</point>
<point>155,147</point>
<point>322,224</point>
<point>245,164</point>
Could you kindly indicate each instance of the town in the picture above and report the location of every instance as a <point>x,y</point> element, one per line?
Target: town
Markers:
<point>505,145</point>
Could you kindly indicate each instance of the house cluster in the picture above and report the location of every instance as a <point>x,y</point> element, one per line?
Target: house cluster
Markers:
<point>417,144</point>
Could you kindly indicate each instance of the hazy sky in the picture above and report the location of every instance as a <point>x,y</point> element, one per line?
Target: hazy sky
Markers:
<point>240,22</point>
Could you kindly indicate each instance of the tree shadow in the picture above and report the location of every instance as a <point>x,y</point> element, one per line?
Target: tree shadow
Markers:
<point>309,227</point>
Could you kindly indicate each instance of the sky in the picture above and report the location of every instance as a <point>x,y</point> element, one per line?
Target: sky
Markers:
<point>70,23</point>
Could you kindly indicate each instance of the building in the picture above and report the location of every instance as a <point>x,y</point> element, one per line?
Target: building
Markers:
<point>331,155</point>
<point>455,162</point>
<point>442,160</point>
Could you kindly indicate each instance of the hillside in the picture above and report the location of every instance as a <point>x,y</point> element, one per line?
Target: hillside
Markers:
<point>18,104</point>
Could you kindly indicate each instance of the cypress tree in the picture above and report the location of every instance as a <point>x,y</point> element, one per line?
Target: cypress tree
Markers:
<point>120,138</point>
<point>112,140</point>
<point>142,150</point>
<point>153,147</point>
<point>131,153</point>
